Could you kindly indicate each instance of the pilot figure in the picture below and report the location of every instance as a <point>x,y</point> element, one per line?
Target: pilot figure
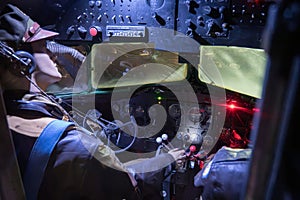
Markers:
<point>79,165</point>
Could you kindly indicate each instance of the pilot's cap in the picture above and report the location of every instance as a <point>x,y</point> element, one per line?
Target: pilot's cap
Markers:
<point>17,27</point>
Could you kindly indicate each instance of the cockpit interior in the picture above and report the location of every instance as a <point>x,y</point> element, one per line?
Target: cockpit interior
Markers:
<point>146,76</point>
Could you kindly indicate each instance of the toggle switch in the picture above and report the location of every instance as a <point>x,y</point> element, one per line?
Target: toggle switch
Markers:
<point>129,18</point>
<point>82,32</point>
<point>114,19</point>
<point>158,18</point>
<point>70,31</point>
<point>99,18</point>
<point>121,18</point>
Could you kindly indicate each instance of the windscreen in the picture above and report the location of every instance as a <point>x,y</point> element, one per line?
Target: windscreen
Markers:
<point>234,68</point>
<point>116,65</point>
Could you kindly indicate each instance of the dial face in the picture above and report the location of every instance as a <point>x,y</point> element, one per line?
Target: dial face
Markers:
<point>155,4</point>
<point>174,111</point>
<point>194,114</point>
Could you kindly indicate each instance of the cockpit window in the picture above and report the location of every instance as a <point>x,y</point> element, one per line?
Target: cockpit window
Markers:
<point>110,65</point>
<point>117,65</point>
<point>235,68</point>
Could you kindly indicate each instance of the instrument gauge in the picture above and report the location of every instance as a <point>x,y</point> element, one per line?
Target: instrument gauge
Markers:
<point>195,114</point>
<point>174,111</point>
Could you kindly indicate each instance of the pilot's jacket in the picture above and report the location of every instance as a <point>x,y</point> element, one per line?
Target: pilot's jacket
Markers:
<point>225,174</point>
<point>80,167</point>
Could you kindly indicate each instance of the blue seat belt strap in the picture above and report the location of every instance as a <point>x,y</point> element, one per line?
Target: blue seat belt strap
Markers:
<point>40,155</point>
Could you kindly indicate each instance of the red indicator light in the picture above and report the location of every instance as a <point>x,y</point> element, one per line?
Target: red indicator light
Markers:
<point>93,31</point>
<point>192,148</point>
<point>231,106</point>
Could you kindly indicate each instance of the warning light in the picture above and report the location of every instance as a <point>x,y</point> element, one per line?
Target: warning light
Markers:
<point>192,148</point>
<point>95,30</point>
<point>231,106</point>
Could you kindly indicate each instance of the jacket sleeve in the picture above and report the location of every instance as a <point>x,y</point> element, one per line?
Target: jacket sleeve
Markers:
<point>105,155</point>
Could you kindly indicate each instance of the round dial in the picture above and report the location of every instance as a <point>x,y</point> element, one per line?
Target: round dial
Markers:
<point>174,111</point>
<point>194,114</point>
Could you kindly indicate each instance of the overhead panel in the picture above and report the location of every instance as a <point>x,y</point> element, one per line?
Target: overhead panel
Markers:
<point>121,20</point>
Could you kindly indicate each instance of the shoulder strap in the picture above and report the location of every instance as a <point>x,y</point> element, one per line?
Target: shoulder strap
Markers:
<point>40,155</point>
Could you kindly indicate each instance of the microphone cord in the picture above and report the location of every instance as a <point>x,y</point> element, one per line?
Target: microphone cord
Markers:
<point>60,49</point>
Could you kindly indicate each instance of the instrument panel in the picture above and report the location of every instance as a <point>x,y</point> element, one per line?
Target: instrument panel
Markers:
<point>215,22</point>
<point>157,112</point>
<point>208,22</point>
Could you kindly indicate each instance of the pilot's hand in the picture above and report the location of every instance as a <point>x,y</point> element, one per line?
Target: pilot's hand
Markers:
<point>178,155</point>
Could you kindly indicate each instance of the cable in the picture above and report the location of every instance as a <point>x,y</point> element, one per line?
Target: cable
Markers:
<point>134,136</point>
<point>60,49</point>
<point>23,62</point>
<point>67,116</point>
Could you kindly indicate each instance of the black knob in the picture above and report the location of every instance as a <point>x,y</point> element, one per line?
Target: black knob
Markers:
<point>85,15</point>
<point>70,31</point>
<point>226,26</point>
<point>210,11</point>
<point>222,9</point>
<point>159,19</point>
<point>200,21</point>
<point>98,4</point>
<point>190,33</point>
<point>213,29</point>
<point>192,5</point>
<point>82,32</point>
<point>190,24</point>
<point>224,13</point>
<point>91,4</point>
